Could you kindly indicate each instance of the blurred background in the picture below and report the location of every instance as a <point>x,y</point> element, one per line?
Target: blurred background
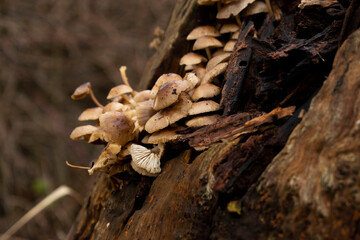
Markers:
<point>47,49</point>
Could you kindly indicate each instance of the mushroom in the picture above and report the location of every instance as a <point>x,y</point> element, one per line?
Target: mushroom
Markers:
<point>233,9</point>
<point>169,115</point>
<point>203,107</point>
<point>146,161</point>
<point>167,77</point>
<point>206,43</point>
<point>115,107</point>
<point>229,28</point>
<point>202,31</point>
<point>114,127</point>
<point>200,121</point>
<point>82,91</point>
<point>206,90</point>
<point>216,60</point>
<point>82,132</point>
<point>143,96</point>
<point>144,111</point>
<point>163,136</point>
<point>217,70</point>
<point>119,90</point>
<point>199,72</point>
<point>107,157</point>
<point>230,45</point>
<point>169,93</point>
<point>256,8</point>
<point>90,114</point>
<point>192,58</point>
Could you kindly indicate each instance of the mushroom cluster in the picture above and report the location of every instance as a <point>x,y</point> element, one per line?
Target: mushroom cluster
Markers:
<point>135,126</point>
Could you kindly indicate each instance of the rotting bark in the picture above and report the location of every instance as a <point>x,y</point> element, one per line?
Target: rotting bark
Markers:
<point>190,199</point>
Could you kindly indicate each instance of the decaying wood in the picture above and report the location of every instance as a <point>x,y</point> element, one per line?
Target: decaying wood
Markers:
<point>246,185</point>
<point>311,188</point>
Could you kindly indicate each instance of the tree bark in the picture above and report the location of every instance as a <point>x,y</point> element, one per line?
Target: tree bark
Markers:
<point>280,164</point>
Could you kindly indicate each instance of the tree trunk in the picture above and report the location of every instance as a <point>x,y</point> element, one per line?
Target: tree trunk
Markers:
<point>280,164</point>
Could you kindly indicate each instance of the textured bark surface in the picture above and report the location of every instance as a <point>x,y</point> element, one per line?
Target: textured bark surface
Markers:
<point>253,181</point>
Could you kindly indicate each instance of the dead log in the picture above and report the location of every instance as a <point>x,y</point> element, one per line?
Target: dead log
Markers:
<point>268,172</point>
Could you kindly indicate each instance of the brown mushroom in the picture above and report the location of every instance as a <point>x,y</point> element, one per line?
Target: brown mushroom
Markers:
<point>119,90</point>
<point>202,31</point>
<point>233,9</point>
<point>90,114</point>
<point>203,107</point>
<point>107,157</point>
<point>146,159</point>
<point>230,45</point>
<point>216,60</point>
<point>217,70</point>
<point>169,115</point>
<point>255,8</point>
<point>82,91</point>
<point>192,58</point>
<point>200,121</point>
<point>82,132</point>
<point>167,77</point>
<point>206,43</point>
<point>229,28</point>
<point>206,90</point>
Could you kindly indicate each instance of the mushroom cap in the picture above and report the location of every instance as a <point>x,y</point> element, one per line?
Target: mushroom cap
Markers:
<point>229,28</point>
<point>216,60</point>
<point>145,159</point>
<point>81,91</point>
<point>230,45</point>
<point>168,93</point>
<point>165,135</point>
<point>200,121</point>
<point>115,127</point>
<point>255,8</point>
<point>119,90</point>
<point>218,52</point>
<point>107,157</point>
<point>143,96</point>
<point>192,58</point>
<point>167,77</point>
<point>90,114</point>
<point>235,35</point>
<point>144,111</point>
<point>206,90</point>
<point>202,31</point>
<point>203,107</point>
<point>233,8</point>
<point>169,115</point>
<point>217,70</point>
<point>82,132</point>
<point>206,42</point>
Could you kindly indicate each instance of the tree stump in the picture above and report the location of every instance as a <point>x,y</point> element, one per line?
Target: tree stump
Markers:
<point>280,163</point>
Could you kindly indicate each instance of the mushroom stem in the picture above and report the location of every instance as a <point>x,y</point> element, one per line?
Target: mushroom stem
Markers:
<point>74,166</point>
<point>123,75</point>
<point>129,100</point>
<point>268,4</point>
<point>238,21</point>
<point>208,53</point>
<point>97,103</point>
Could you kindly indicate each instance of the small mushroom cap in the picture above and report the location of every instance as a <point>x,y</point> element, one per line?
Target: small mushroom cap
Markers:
<point>165,135</point>
<point>106,158</point>
<point>229,28</point>
<point>206,90</point>
<point>144,111</point>
<point>167,77</point>
<point>233,9</point>
<point>115,107</point>
<point>217,70</point>
<point>200,121</point>
<point>119,90</point>
<point>143,96</point>
<point>169,115</point>
<point>203,107</point>
<point>192,58</point>
<point>255,8</point>
<point>218,52</point>
<point>115,127</point>
<point>90,114</point>
<point>81,91</point>
<point>230,45</point>
<point>168,93</point>
<point>216,60</point>
<point>235,36</point>
<point>206,42</point>
<point>82,132</point>
<point>202,31</point>
<point>145,159</point>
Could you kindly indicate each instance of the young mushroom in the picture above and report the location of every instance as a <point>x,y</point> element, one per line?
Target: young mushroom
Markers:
<point>82,91</point>
<point>167,77</point>
<point>206,43</point>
